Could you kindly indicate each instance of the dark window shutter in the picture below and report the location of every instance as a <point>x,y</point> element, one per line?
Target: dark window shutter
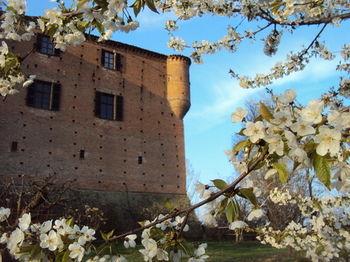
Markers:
<point>56,97</point>
<point>119,108</point>
<point>57,52</point>
<point>118,62</point>
<point>103,57</point>
<point>30,95</point>
<point>37,44</point>
<point>98,104</point>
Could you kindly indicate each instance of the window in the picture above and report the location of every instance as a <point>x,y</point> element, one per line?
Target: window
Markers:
<point>111,60</point>
<point>44,95</point>
<point>82,154</point>
<point>14,146</point>
<point>46,46</point>
<point>108,106</point>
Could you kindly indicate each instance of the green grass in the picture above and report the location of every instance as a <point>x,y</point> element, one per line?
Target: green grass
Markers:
<point>226,251</point>
<point>246,251</point>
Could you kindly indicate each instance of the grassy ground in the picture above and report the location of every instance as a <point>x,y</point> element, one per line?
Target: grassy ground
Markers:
<point>226,251</point>
<point>246,251</point>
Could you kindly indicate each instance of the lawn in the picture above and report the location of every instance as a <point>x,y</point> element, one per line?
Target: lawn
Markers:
<point>247,251</point>
<point>226,251</point>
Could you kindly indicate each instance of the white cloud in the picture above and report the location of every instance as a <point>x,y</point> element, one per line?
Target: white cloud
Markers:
<point>315,71</point>
<point>227,95</point>
<point>150,20</point>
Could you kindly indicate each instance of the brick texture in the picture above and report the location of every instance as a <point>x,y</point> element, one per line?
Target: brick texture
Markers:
<point>155,88</point>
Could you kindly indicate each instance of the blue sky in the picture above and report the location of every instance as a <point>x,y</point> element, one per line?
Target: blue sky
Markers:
<point>214,94</point>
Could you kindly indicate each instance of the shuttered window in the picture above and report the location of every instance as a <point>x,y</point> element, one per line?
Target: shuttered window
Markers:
<point>45,46</point>
<point>108,106</point>
<point>44,95</point>
<point>119,108</point>
<point>111,60</point>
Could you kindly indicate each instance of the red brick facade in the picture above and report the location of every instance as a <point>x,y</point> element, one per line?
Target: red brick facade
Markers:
<point>155,91</point>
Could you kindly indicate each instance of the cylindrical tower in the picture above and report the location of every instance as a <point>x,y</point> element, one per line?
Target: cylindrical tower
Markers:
<point>178,84</point>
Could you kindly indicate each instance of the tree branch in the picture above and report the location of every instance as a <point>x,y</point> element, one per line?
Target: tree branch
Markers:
<point>214,196</point>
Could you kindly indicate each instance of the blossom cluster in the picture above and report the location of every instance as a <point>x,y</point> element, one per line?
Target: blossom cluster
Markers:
<point>10,74</point>
<point>306,136</point>
<point>298,139</point>
<point>323,232</point>
<point>59,238</point>
<point>162,242</point>
<point>53,238</point>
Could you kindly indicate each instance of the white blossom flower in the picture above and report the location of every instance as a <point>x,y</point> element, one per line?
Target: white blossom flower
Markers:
<point>171,25</point>
<point>255,131</point>
<point>342,177</point>
<point>4,238</point>
<point>24,222</point>
<point>177,44</point>
<point>288,97</point>
<point>303,128</point>
<point>76,251</point>
<point>130,241</point>
<point>29,81</point>
<point>162,255</point>
<point>328,141</point>
<point>255,214</point>
<point>239,115</point>
<point>87,235</point>
<point>313,112</point>
<point>15,240</point>
<point>282,119</point>
<point>46,227</point>
<point>241,166</point>
<point>276,144</point>
<point>270,173</point>
<point>51,241</point>
<point>4,214</point>
<point>237,225</point>
<point>202,190</point>
<point>199,254</point>
<point>150,250</point>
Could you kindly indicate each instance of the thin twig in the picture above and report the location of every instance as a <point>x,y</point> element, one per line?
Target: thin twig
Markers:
<point>214,196</point>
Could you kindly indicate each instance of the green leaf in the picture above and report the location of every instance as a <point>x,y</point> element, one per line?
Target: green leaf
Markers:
<point>240,145</point>
<point>102,3</point>
<point>137,5</point>
<point>65,257</point>
<point>150,4</point>
<point>81,3</point>
<point>230,211</point>
<point>70,221</point>
<point>322,170</point>
<point>265,112</point>
<point>282,172</point>
<point>35,252</point>
<point>107,236</point>
<point>222,206</point>
<point>248,193</point>
<point>219,183</point>
<point>98,26</point>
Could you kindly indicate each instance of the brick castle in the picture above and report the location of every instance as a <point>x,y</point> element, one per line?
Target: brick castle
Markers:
<point>109,115</point>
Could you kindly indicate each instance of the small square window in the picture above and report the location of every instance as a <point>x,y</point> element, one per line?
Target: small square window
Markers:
<point>82,154</point>
<point>44,95</point>
<point>46,46</point>
<point>14,146</point>
<point>111,60</point>
<point>108,106</point>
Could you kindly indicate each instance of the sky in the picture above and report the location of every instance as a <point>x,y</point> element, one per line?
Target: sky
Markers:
<point>214,94</point>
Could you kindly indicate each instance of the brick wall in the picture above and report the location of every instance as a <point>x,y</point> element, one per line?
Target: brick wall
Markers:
<point>49,142</point>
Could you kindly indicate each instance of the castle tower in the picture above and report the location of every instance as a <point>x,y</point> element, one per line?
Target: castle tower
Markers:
<point>178,84</point>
